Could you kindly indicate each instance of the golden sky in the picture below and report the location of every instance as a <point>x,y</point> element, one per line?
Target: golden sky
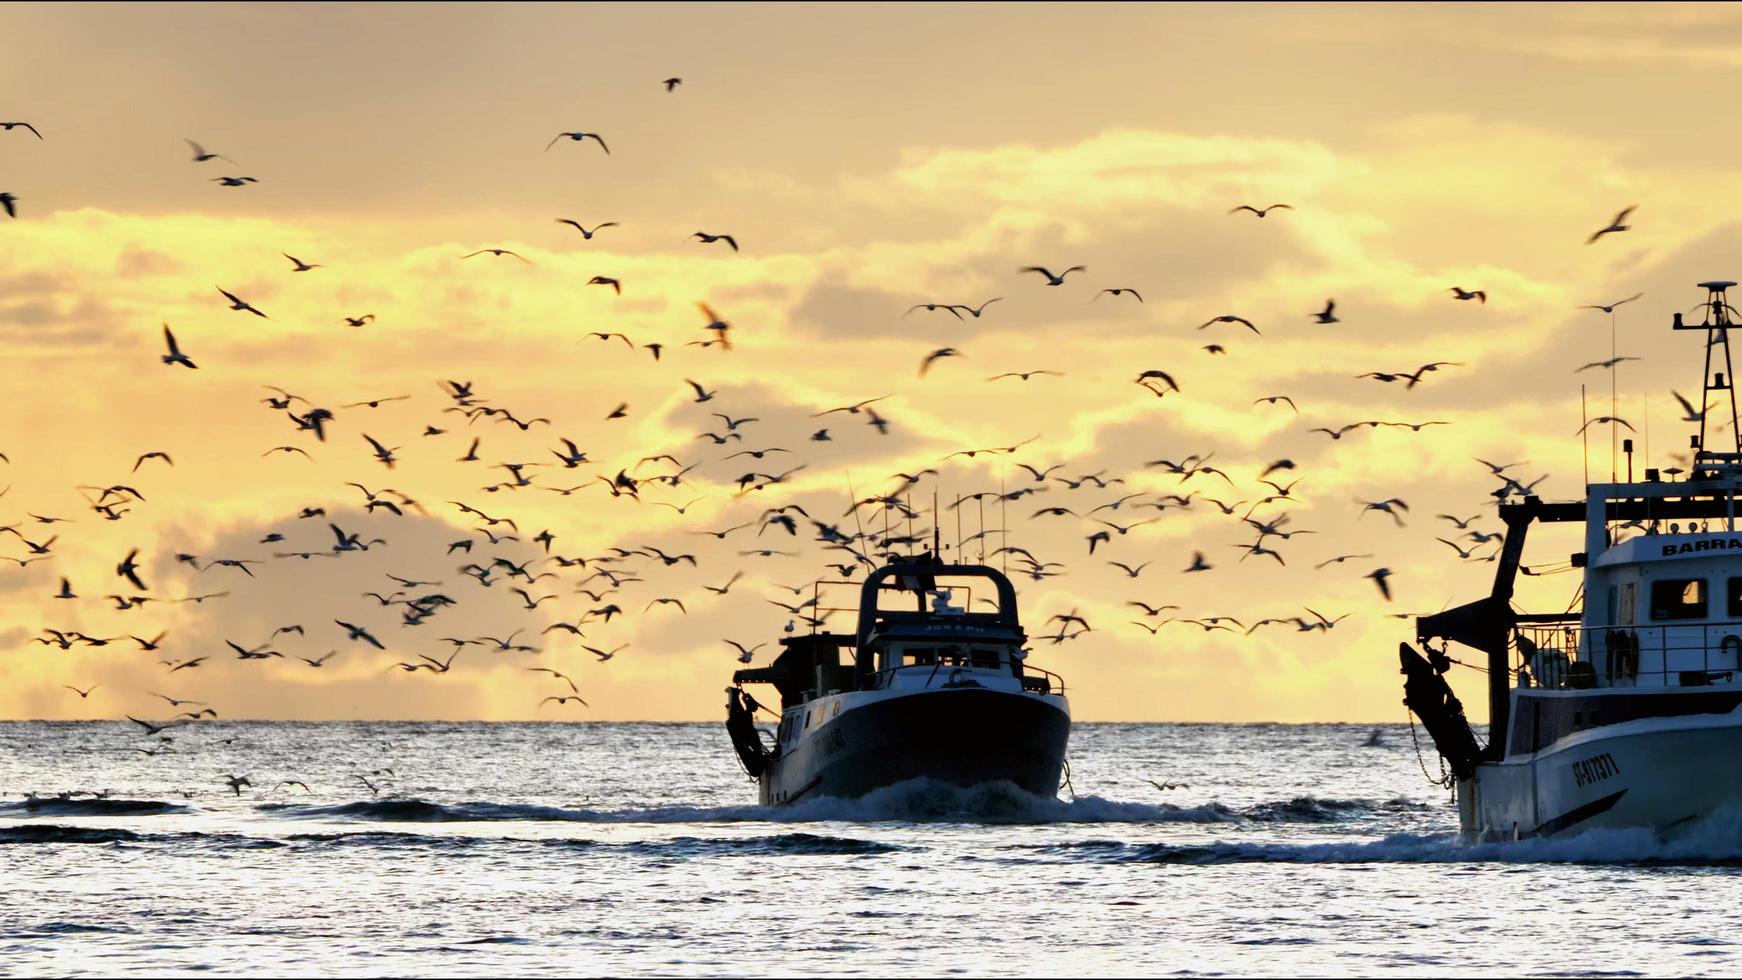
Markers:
<point>865,159</point>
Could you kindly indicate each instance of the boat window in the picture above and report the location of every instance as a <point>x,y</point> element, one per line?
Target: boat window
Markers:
<point>920,656</point>
<point>1734,587</point>
<point>1678,598</point>
<point>1629,611</point>
<point>986,657</point>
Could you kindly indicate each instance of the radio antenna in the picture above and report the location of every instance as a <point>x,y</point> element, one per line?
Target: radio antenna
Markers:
<point>958,510</point>
<point>1004,516</point>
<point>854,502</point>
<point>980,501</point>
<point>937,544</point>
<point>1584,434</point>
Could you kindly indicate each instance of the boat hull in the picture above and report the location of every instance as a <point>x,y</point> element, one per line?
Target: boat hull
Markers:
<point>963,737</point>
<point>1658,773</point>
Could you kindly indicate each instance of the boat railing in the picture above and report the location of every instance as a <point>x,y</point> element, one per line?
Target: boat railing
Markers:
<point>1037,680</point>
<point>1570,657</point>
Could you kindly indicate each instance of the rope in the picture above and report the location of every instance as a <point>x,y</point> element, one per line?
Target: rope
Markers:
<point>1067,781</point>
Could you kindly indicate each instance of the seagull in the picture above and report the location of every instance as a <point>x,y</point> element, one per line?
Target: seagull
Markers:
<point>8,126</point>
<point>1462,293</point>
<point>949,308</point>
<point>382,453</point>
<point>175,356</point>
<point>720,327</point>
<point>559,675</point>
<point>238,303</point>
<point>84,693</point>
<point>357,321</point>
<point>1052,280</point>
<point>301,266</point>
<point>359,633</point>
<point>708,239</point>
<point>1120,292</point>
<point>129,570</point>
<point>200,154</point>
<point>1261,212</point>
<point>1229,318</point>
<point>9,202</point>
<point>1158,375</point>
<point>1198,563</point>
<point>1381,577</point>
<point>1024,375</point>
<point>498,252</point>
<point>235,181</point>
<point>671,84</point>
<point>606,281</point>
<point>578,137</point>
<point>1325,315</point>
<point>1610,308</point>
<point>1688,412</point>
<point>1387,506</point>
<point>1611,362</point>
<point>588,235</point>
<point>941,352</point>
<point>975,311</point>
<point>1273,399</point>
<point>745,653</point>
<point>1604,419</point>
<point>1614,225</point>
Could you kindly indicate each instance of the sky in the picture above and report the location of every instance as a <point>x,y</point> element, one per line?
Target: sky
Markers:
<point>865,159</point>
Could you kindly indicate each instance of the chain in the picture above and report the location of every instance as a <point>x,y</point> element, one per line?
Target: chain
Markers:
<point>1446,779</point>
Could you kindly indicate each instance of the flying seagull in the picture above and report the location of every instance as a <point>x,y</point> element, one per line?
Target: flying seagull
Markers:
<point>1261,212</point>
<point>175,356</point>
<point>577,137</point>
<point>1614,225</point>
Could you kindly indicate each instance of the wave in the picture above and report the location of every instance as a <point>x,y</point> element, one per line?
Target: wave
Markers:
<point>916,801</point>
<point>42,833</point>
<point>775,845</point>
<point>919,801</point>
<point>1712,846</point>
<point>89,807</point>
<point>1312,809</point>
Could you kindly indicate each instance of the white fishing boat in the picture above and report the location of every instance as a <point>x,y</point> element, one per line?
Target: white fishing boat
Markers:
<point>1624,711</point>
<point>930,685</point>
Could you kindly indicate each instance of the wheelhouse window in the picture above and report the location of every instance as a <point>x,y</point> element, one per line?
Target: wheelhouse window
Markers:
<point>1734,602</point>
<point>1678,598</point>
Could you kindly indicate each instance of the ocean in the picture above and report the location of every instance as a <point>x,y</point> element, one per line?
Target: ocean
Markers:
<point>547,849</point>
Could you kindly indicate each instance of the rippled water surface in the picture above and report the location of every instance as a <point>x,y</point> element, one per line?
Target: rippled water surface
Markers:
<point>613,849</point>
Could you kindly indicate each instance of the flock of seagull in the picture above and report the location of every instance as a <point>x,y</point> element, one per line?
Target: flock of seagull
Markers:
<point>875,528</point>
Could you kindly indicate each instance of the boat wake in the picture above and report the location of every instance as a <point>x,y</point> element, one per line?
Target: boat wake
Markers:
<point>915,801</point>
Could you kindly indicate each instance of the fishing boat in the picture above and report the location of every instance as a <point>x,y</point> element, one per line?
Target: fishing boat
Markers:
<point>1624,710</point>
<point>934,683</point>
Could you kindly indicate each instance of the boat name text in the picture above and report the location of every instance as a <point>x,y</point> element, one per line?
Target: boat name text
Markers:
<point>1595,769</point>
<point>1695,547</point>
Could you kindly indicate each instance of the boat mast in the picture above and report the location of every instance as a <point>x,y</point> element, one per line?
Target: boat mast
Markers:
<point>1716,323</point>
